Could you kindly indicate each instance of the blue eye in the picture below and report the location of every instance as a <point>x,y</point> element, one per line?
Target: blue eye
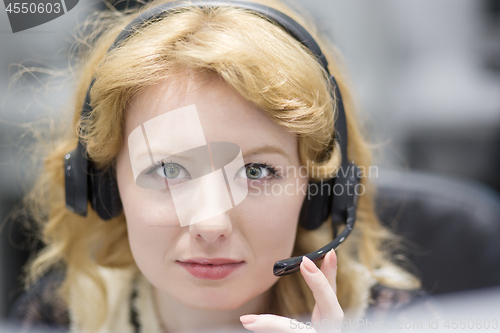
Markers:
<point>255,171</point>
<point>171,171</point>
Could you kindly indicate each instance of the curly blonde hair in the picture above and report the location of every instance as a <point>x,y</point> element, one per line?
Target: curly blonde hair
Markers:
<point>247,52</point>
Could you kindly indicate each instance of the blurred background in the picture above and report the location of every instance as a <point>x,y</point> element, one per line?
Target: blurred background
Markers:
<point>426,74</point>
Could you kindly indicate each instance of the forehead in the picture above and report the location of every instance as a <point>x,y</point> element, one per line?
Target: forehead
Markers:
<point>223,113</point>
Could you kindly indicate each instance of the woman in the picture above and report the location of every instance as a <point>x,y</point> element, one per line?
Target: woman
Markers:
<point>230,78</point>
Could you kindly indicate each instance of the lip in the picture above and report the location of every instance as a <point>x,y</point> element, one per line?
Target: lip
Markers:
<point>211,261</point>
<point>210,269</point>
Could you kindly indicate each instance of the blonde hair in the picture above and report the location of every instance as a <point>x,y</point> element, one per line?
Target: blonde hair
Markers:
<point>248,55</point>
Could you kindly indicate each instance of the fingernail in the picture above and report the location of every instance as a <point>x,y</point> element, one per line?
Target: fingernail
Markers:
<point>247,319</point>
<point>333,261</point>
<point>309,265</point>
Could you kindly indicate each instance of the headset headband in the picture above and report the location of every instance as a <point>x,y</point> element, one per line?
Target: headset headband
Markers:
<point>84,183</point>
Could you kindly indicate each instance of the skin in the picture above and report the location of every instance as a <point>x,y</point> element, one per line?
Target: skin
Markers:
<point>259,231</point>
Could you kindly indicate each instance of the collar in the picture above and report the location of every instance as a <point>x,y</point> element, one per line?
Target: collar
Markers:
<point>130,303</point>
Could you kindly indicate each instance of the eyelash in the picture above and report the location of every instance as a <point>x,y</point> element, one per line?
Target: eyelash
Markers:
<point>269,167</point>
<point>156,165</point>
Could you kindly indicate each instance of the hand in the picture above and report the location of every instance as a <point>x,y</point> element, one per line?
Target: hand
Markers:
<point>327,314</point>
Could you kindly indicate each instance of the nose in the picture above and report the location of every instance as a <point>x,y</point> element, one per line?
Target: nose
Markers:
<point>212,229</point>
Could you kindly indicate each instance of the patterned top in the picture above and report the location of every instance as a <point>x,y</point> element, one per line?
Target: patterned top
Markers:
<point>40,308</point>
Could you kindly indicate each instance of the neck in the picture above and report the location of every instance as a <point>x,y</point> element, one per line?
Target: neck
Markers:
<point>175,317</point>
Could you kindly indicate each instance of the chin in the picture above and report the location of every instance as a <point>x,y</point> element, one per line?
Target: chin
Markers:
<point>221,303</point>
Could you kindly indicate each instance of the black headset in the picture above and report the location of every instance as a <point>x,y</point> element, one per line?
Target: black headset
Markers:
<point>83,182</point>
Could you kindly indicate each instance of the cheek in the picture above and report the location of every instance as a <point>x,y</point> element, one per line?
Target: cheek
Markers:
<point>150,237</point>
<point>271,219</point>
<point>150,215</point>
<point>148,208</point>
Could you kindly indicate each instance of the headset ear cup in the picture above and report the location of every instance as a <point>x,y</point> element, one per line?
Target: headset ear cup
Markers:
<point>105,198</point>
<point>115,205</point>
<point>348,182</point>
<point>75,181</point>
<point>317,204</point>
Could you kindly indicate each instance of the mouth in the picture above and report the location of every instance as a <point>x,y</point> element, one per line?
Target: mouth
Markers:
<point>211,261</point>
<point>210,269</point>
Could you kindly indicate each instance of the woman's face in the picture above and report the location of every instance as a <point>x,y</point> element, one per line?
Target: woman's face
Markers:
<point>257,232</point>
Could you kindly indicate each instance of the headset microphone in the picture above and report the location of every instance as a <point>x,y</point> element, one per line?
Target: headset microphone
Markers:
<point>84,183</point>
<point>343,206</point>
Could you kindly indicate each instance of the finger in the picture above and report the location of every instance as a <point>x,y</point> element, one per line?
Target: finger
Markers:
<point>329,268</point>
<point>269,323</point>
<point>323,292</point>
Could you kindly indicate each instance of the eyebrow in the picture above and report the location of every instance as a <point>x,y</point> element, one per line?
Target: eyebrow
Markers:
<point>162,153</point>
<point>268,150</point>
